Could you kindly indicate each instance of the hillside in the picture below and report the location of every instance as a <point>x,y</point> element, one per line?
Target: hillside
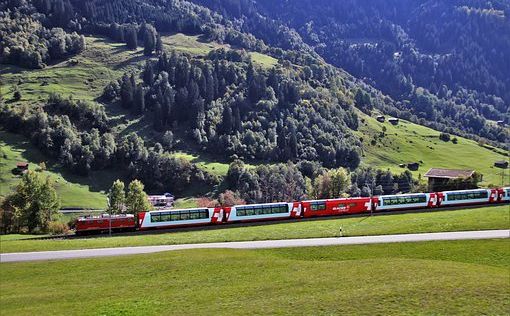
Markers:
<point>407,142</point>
<point>443,61</point>
<point>74,191</point>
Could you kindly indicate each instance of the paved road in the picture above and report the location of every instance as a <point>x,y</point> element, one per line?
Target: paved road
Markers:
<point>102,252</point>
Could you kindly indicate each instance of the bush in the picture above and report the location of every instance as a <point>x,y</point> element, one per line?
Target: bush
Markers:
<point>17,95</point>
<point>445,137</point>
<point>57,228</point>
<point>455,140</point>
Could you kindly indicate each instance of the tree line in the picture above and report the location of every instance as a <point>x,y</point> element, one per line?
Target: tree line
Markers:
<point>76,134</point>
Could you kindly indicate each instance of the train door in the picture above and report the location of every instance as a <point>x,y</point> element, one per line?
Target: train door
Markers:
<point>439,198</point>
<point>493,195</point>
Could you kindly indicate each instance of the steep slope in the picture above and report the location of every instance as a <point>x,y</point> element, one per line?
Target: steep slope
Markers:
<point>446,61</point>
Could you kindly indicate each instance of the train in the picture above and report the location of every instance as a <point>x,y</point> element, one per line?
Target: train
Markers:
<point>221,215</point>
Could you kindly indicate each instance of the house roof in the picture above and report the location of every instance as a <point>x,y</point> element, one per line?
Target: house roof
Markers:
<point>21,164</point>
<point>448,173</point>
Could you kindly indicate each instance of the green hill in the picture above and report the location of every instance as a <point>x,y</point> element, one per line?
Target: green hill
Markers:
<point>85,75</point>
<point>74,191</point>
<point>407,142</point>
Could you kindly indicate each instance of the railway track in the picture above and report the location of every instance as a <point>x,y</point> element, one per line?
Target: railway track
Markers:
<point>262,223</point>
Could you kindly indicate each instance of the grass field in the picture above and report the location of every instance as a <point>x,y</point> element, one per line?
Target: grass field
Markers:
<point>74,191</point>
<point>196,46</point>
<point>83,76</point>
<point>472,219</point>
<point>408,142</point>
<point>433,278</point>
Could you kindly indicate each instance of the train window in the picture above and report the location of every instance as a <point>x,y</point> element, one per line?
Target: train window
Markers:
<point>261,210</point>
<point>179,215</point>
<point>473,195</point>
<point>318,206</point>
<point>396,200</point>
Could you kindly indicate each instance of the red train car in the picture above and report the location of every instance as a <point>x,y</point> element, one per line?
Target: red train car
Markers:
<point>102,223</point>
<point>341,206</point>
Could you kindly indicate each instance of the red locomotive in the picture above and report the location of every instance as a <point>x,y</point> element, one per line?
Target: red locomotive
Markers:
<point>295,210</point>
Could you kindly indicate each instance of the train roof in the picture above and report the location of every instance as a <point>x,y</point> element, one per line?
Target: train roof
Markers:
<point>339,199</point>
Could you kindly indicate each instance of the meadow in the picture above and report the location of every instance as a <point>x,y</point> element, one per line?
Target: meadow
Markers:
<point>74,191</point>
<point>407,142</point>
<point>482,218</point>
<point>430,278</point>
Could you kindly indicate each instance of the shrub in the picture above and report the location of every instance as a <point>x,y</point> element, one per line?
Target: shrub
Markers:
<point>57,228</point>
<point>17,95</point>
<point>445,137</point>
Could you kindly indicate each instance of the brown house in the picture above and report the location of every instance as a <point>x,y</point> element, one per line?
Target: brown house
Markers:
<point>442,179</point>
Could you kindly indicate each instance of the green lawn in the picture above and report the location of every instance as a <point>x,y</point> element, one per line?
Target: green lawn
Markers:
<point>74,191</point>
<point>408,142</point>
<point>473,219</point>
<point>431,278</point>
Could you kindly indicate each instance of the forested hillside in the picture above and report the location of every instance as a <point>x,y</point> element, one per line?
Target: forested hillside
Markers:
<point>446,62</point>
<point>125,86</point>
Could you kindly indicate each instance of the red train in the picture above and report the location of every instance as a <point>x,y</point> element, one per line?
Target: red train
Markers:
<point>294,210</point>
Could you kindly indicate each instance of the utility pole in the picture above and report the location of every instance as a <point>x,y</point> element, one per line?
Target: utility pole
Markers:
<point>109,217</point>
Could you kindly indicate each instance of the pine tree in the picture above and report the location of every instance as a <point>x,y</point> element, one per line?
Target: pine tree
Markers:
<point>159,44</point>
<point>126,92</point>
<point>139,100</point>
<point>131,37</point>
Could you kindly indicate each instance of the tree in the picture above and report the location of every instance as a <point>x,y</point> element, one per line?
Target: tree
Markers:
<point>116,197</point>
<point>33,204</point>
<point>136,199</point>
<point>230,198</point>
<point>159,44</point>
<point>131,38</point>
<point>149,39</point>
<point>340,182</point>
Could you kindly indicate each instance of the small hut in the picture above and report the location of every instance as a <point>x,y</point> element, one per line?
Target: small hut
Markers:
<point>21,167</point>
<point>393,120</point>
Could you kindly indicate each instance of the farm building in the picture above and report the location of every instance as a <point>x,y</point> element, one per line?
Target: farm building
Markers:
<point>393,120</point>
<point>21,167</point>
<point>501,164</point>
<point>448,179</point>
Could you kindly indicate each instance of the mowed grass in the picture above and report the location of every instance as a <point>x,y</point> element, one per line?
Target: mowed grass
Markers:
<point>408,142</point>
<point>429,278</point>
<point>497,217</point>
<point>74,191</point>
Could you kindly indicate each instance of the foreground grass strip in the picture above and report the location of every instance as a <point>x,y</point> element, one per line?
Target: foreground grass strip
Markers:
<point>483,218</point>
<point>455,277</point>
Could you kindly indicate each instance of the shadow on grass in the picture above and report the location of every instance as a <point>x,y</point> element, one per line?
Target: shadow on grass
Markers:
<point>97,181</point>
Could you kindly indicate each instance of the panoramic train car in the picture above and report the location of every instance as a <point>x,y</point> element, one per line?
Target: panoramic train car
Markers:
<point>330,207</point>
<point>466,197</point>
<point>261,212</point>
<point>102,223</point>
<point>404,201</point>
<point>179,218</point>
